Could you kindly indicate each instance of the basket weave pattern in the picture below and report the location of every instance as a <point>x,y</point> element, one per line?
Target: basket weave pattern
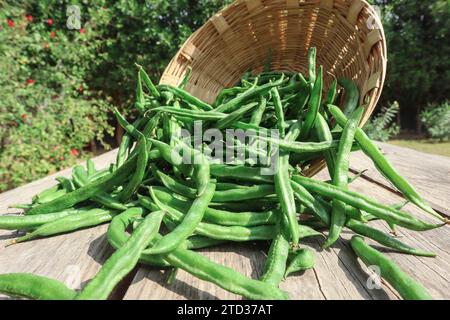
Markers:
<point>348,35</point>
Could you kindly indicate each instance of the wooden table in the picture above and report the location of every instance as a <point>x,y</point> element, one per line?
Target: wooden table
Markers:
<point>75,258</point>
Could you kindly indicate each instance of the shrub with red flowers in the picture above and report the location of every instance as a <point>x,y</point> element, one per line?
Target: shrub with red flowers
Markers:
<point>57,81</point>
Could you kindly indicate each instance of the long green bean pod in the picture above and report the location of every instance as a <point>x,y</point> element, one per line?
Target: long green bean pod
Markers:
<point>340,177</point>
<point>123,260</point>
<point>34,287</point>
<point>407,287</point>
<point>384,166</point>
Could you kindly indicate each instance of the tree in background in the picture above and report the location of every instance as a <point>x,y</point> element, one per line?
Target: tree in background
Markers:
<point>418,37</point>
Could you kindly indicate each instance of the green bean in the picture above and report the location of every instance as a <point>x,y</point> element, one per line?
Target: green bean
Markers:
<point>199,266</point>
<point>331,95</point>
<point>385,239</point>
<point>365,204</point>
<point>258,113</point>
<point>235,116</point>
<point>45,193</point>
<point>236,102</point>
<point>186,78</point>
<point>303,259</point>
<point>384,166</point>
<point>231,195</point>
<point>226,278</point>
<point>50,196</point>
<point>407,287</point>
<point>275,265</point>
<point>117,236</point>
<point>190,222</point>
<point>240,173</point>
<point>324,134</point>
<point>200,242</point>
<point>232,233</point>
<point>313,105</point>
<point>123,260</point>
<point>88,191</point>
<point>307,199</point>
<point>139,173</point>
<point>68,223</point>
<point>8,222</point>
<point>201,172</point>
<point>148,82</point>
<point>221,217</point>
<point>351,95</point>
<point>340,176</point>
<point>80,178</point>
<point>34,287</point>
<point>185,96</point>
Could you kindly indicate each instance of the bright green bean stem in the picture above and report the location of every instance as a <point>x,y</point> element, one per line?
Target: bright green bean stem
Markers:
<point>384,166</point>
<point>88,191</point>
<point>34,287</point>
<point>69,223</point>
<point>385,239</point>
<point>186,78</point>
<point>123,260</point>
<point>187,227</point>
<point>340,176</point>
<point>366,204</point>
<point>303,259</point>
<point>407,287</point>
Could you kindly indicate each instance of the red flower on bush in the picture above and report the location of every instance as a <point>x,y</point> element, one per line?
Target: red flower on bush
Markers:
<point>50,22</point>
<point>30,81</point>
<point>82,30</point>
<point>30,18</point>
<point>81,88</point>
<point>10,23</point>
<point>74,152</point>
<point>53,34</point>
<point>24,116</point>
<point>61,158</point>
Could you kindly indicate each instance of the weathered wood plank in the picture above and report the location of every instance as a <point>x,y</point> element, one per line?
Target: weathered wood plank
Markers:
<point>429,174</point>
<point>73,258</point>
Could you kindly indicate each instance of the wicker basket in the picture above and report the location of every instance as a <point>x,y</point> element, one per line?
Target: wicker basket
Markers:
<point>348,35</point>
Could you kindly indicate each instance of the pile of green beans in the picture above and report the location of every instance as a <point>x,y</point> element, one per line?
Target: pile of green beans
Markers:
<point>163,205</point>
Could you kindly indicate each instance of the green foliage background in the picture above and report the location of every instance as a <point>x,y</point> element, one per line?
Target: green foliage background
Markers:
<point>57,84</point>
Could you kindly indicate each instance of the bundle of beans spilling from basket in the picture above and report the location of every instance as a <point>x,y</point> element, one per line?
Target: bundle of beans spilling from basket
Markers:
<point>169,194</point>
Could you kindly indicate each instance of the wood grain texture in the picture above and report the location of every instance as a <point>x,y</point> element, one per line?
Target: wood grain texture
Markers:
<point>73,258</point>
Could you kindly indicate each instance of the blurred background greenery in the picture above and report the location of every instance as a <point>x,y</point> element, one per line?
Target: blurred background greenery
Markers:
<point>57,84</point>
